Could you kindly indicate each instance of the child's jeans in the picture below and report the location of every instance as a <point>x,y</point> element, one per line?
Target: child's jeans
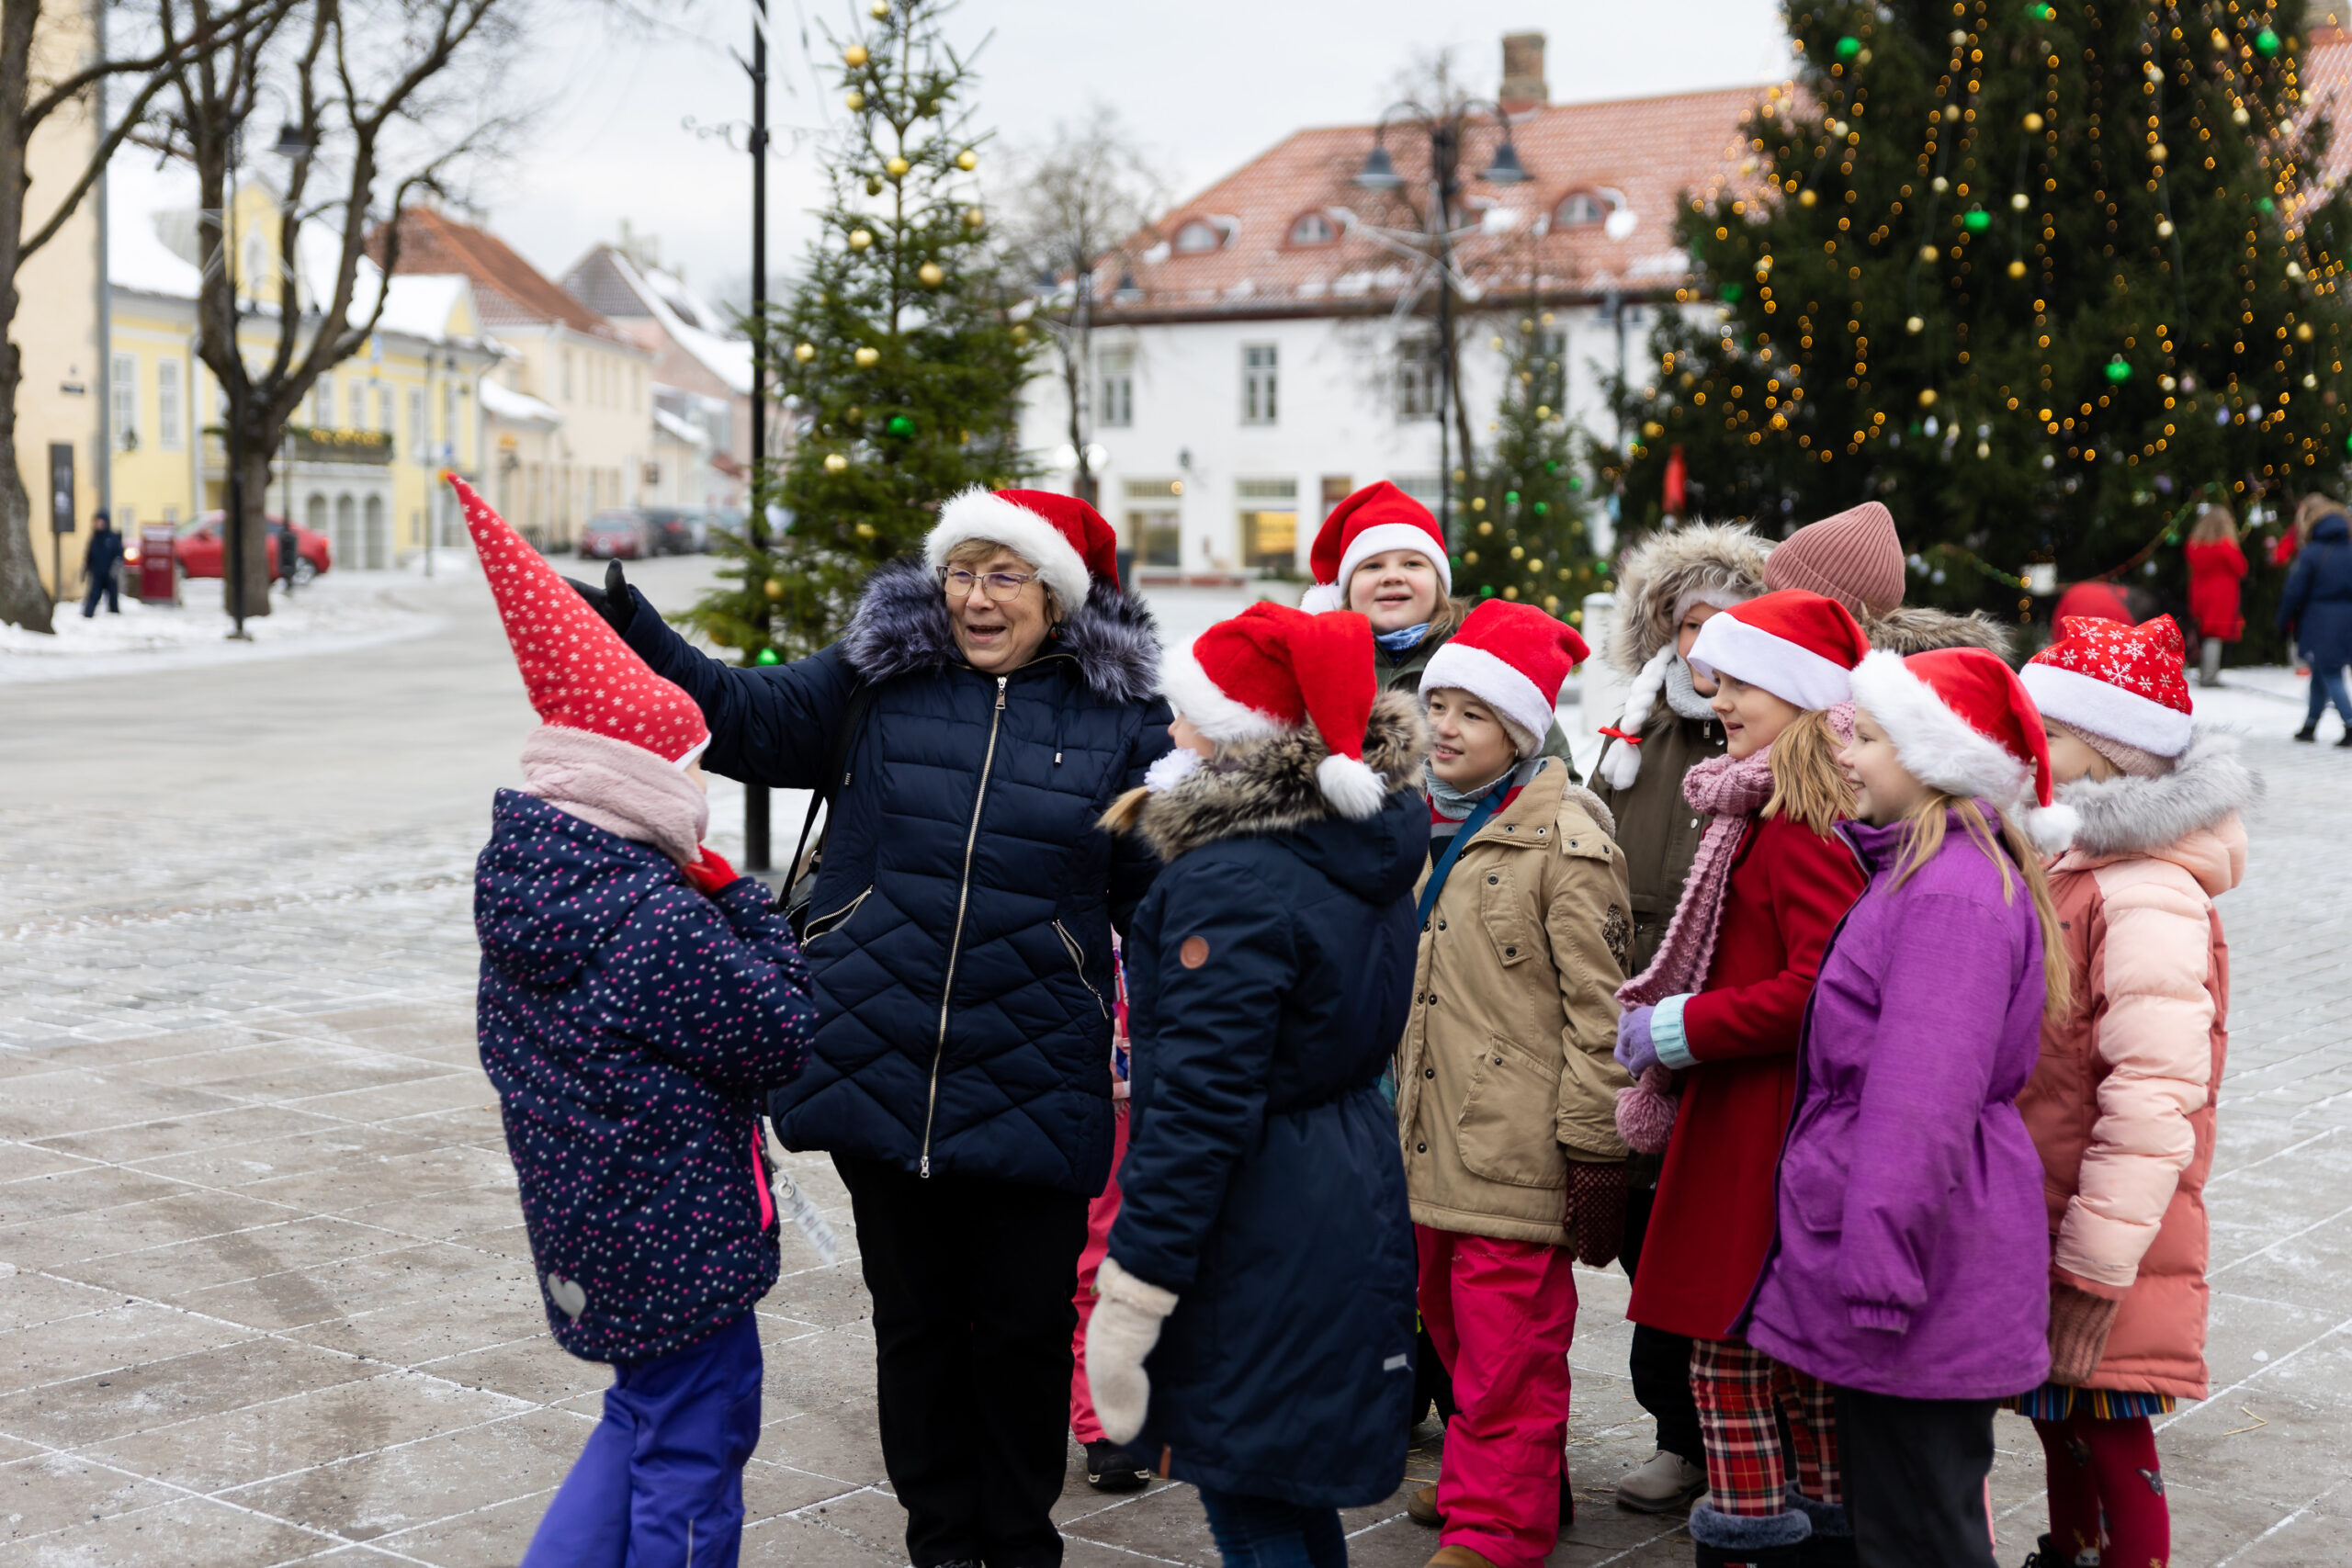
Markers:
<point>660,1483</point>
<point>1501,1314</point>
<point>1100,1214</point>
<point>1266,1533</point>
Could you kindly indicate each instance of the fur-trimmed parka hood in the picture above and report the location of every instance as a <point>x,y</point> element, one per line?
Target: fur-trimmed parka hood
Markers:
<point>2207,788</point>
<point>1270,786</point>
<point>902,626</point>
<point>1915,628</point>
<point>1699,557</point>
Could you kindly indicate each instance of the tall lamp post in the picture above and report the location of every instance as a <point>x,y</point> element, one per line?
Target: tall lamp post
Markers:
<point>755,523</point>
<point>1446,131</point>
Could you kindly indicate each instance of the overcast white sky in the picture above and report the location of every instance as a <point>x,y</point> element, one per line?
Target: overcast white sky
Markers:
<point>1204,85</point>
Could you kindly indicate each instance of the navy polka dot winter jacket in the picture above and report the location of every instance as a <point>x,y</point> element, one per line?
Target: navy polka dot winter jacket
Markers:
<point>634,1028</point>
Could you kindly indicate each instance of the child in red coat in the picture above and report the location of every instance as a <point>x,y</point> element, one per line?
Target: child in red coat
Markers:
<point>2216,567</point>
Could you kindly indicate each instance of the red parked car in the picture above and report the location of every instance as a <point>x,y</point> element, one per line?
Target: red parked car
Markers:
<point>200,547</point>
<point>615,536</point>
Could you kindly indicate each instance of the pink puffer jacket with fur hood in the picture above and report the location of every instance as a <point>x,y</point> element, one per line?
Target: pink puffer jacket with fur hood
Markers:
<point>2121,1102</point>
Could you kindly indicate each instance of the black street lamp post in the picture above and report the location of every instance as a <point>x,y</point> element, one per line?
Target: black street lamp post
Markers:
<point>756,852</point>
<point>1446,133</point>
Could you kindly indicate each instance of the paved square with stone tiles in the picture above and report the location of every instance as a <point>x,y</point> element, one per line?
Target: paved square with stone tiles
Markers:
<point>265,1295</point>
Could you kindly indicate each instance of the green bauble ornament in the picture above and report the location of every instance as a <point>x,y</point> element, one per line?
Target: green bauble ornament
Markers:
<point>1510,497</point>
<point>2265,44</point>
<point>2118,370</point>
<point>1977,220</point>
<point>1542,508</point>
<point>900,426</point>
<point>767,656</point>
<point>1551,464</point>
<point>1848,47</point>
<point>1731,293</point>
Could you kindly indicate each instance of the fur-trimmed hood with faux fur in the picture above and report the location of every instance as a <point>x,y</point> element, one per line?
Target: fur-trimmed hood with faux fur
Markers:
<point>2127,816</point>
<point>1270,786</point>
<point>1710,558</point>
<point>902,625</point>
<point>1916,629</point>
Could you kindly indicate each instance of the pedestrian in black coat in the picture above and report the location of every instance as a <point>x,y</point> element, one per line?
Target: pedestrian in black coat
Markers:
<point>99,560</point>
<point>2316,610</point>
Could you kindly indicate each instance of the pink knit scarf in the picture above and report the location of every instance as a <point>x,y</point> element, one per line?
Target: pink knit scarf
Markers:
<point>623,789</point>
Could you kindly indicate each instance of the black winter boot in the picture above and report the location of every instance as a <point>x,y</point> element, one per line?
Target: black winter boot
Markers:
<point>2309,731</point>
<point>1831,1544</point>
<point>1743,1541</point>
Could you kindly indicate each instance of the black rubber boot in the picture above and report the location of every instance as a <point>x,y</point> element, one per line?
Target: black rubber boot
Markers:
<point>2308,732</point>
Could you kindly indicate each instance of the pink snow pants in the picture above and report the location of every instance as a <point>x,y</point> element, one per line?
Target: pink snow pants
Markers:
<point>1099,1215</point>
<point>1502,1315</point>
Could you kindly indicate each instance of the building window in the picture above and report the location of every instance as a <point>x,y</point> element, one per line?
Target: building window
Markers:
<point>167,404</point>
<point>1579,209</point>
<point>449,421</point>
<point>1336,488</point>
<point>419,438</point>
<point>1269,517</point>
<point>567,375</point>
<point>1118,404</point>
<point>1260,371</point>
<point>1198,236</point>
<point>358,400</point>
<point>1551,384</point>
<point>322,402</point>
<point>384,410</point>
<point>122,401</point>
<point>1154,521</point>
<point>1312,229</point>
<point>1417,378</point>
<point>1423,487</point>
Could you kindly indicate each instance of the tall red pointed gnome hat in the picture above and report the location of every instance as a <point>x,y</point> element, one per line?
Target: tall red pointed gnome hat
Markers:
<point>1962,723</point>
<point>1374,519</point>
<point>1274,670</point>
<point>577,671</point>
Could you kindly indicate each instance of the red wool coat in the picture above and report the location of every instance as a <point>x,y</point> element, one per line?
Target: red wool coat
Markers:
<point>1712,1223</point>
<point>2215,570</point>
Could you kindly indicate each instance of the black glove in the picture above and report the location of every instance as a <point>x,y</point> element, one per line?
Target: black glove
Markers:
<point>612,600</point>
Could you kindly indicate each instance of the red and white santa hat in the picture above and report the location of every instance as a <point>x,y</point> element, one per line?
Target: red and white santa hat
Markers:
<point>1375,519</point>
<point>1795,644</point>
<point>1962,722</point>
<point>1514,658</point>
<point>1063,538</point>
<point>2115,682</point>
<point>1274,670</point>
<point>577,671</point>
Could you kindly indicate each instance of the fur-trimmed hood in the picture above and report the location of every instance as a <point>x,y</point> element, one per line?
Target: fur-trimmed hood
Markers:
<point>1915,628</point>
<point>2127,816</point>
<point>1699,557</point>
<point>902,626</point>
<point>1270,786</point>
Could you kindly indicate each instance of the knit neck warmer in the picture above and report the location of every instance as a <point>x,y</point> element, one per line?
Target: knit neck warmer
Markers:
<point>1403,639</point>
<point>623,789</point>
<point>1681,696</point>
<point>1455,805</point>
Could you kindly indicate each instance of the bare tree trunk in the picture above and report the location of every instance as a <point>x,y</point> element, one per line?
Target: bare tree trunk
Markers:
<point>260,564</point>
<point>23,601</point>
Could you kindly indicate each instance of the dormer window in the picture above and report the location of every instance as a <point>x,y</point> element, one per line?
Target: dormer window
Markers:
<point>1196,237</point>
<point>1579,209</point>
<point>1313,229</point>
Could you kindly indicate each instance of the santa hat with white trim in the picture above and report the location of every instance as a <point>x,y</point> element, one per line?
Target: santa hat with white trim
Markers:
<point>1962,722</point>
<point>1514,658</point>
<point>1274,670</point>
<point>1795,644</point>
<point>1063,538</point>
<point>1375,519</point>
<point>2115,682</point>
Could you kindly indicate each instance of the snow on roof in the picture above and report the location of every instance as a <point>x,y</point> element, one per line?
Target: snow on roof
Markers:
<point>678,429</point>
<point>506,402</point>
<point>678,310</point>
<point>151,225</point>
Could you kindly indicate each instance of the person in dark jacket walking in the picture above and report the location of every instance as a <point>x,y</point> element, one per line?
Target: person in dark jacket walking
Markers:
<point>1255,1322</point>
<point>98,562</point>
<point>960,947</point>
<point>2316,610</point>
<point>637,1002</point>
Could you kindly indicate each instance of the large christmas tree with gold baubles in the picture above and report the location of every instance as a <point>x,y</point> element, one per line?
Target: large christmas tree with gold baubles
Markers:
<point>1523,513</point>
<point>2038,276</point>
<point>897,355</point>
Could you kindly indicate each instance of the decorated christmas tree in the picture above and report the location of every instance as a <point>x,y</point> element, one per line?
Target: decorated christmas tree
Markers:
<point>2038,276</point>
<point>895,354</point>
<point>1524,508</point>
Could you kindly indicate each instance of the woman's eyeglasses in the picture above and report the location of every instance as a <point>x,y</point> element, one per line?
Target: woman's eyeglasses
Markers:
<point>1002,585</point>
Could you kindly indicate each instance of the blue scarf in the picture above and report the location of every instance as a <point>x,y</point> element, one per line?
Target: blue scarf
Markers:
<point>1403,639</point>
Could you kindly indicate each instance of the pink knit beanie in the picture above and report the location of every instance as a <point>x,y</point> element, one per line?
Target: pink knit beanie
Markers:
<point>1854,558</point>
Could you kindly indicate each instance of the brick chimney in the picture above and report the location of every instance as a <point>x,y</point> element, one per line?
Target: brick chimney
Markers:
<point>1523,85</point>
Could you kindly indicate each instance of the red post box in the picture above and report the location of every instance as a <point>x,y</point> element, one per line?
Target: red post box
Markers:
<point>159,578</point>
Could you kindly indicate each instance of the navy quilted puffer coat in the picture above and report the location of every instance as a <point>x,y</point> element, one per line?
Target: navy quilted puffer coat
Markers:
<point>633,1027</point>
<point>960,934</point>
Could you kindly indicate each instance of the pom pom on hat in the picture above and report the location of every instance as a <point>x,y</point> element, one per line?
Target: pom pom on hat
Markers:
<point>1274,670</point>
<point>2121,684</point>
<point>1962,722</point>
<point>1063,538</point>
<point>1795,644</point>
<point>1514,658</point>
<point>1375,519</point>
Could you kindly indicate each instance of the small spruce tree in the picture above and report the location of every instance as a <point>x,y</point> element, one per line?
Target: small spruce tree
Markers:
<point>1523,513</point>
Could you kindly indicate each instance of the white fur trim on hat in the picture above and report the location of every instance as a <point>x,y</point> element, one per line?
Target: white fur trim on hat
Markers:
<point>1749,653</point>
<point>1323,596</point>
<point>1382,538</point>
<point>2086,702</point>
<point>1622,763</point>
<point>1936,745</point>
<point>979,513</point>
<point>1203,703</point>
<point>1459,667</point>
<point>1351,787</point>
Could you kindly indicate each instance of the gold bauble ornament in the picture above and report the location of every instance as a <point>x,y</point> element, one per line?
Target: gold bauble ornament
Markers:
<point>879,10</point>
<point>2164,227</point>
<point>853,416</point>
<point>1512,592</point>
<point>974,218</point>
<point>854,100</point>
<point>1486,527</point>
<point>1927,397</point>
<point>835,463</point>
<point>873,184</point>
<point>898,168</point>
<point>1915,326</point>
<point>2017,269</point>
<point>773,589</point>
<point>1542,411</point>
<point>2033,122</point>
<point>1020,332</point>
<point>1929,253</point>
<point>805,352</point>
<point>859,239</point>
<point>866,530</point>
<point>2302,332</point>
<point>968,160</point>
<point>853,56</point>
<point>1807,196</point>
<point>932,273</point>
<point>867,356</point>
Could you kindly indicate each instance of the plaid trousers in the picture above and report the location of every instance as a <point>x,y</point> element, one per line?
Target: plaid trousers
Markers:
<point>1737,1388</point>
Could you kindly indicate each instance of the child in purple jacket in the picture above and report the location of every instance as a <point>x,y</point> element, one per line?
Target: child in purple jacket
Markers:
<point>1911,1263</point>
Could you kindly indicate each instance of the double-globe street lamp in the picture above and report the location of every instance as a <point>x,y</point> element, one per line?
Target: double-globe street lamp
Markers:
<point>1447,132</point>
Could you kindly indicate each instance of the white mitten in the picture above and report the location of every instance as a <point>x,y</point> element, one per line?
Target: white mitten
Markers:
<point>1125,1326</point>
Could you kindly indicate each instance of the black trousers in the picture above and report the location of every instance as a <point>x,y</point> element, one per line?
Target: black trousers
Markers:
<point>971,1280</point>
<point>102,586</point>
<point>1660,1362</point>
<point>1914,1479</point>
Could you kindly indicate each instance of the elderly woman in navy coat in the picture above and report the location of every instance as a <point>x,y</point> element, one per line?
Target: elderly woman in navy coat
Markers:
<point>960,948</point>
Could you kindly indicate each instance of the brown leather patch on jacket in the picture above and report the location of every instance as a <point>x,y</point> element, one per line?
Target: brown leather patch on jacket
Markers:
<point>1195,953</point>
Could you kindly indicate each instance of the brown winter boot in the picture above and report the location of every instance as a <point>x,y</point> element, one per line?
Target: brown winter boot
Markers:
<point>1457,1557</point>
<point>1421,1507</point>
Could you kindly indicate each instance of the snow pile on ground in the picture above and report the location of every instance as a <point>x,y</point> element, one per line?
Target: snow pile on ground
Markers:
<point>333,613</point>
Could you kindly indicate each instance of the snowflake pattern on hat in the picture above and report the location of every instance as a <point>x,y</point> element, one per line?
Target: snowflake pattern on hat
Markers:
<point>576,670</point>
<point>2127,683</point>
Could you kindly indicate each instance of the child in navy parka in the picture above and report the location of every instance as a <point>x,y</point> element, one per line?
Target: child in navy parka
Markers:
<point>638,1003</point>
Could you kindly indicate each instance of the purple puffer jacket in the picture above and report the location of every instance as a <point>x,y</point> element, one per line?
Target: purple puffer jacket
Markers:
<point>1913,1257</point>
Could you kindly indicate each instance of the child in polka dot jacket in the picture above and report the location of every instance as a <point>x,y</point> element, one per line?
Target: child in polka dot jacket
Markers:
<point>638,1003</point>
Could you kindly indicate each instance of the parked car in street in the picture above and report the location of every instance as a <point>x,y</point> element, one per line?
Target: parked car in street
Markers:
<point>200,549</point>
<point>677,530</point>
<point>617,535</point>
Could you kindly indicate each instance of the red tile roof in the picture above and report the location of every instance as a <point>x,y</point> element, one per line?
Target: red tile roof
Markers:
<point>508,290</point>
<point>1653,151</point>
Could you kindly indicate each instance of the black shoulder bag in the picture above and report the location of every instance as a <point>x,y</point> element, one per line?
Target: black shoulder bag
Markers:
<point>802,888</point>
